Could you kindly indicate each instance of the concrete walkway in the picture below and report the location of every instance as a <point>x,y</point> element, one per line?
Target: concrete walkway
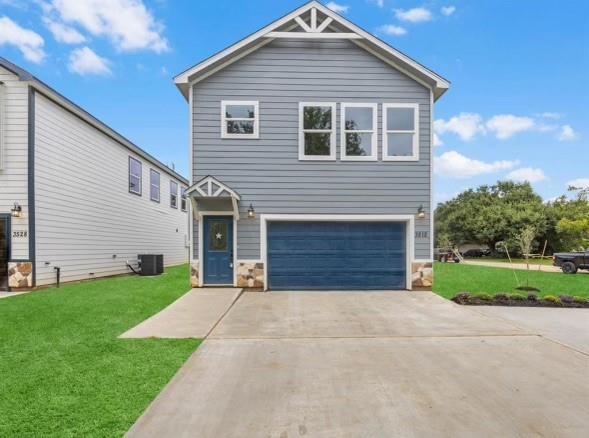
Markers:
<point>191,316</point>
<point>567,326</point>
<point>371,365</point>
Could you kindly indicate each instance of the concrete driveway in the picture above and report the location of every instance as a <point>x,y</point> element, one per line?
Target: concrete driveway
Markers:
<point>371,365</point>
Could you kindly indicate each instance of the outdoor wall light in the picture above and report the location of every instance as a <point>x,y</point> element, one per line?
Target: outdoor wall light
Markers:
<point>421,212</point>
<point>16,211</point>
<point>251,213</point>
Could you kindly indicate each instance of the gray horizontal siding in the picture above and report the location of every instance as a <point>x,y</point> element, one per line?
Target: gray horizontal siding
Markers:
<point>267,172</point>
<point>13,175</point>
<point>84,211</point>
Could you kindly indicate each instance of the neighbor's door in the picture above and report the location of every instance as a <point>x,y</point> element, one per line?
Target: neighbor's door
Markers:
<point>4,236</point>
<point>218,250</point>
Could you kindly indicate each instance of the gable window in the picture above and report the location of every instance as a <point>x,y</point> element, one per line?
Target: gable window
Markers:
<point>154,185</point>
<point>134,176</point>
<point>400,132</point>
<point>317,131</point>
<point>239,119</point>
<point>173,194</point>
<point>358,131</point>
<point>183,199</point>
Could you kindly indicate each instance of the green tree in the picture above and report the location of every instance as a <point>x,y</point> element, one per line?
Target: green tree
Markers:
<point>491,214</point>
<point>568,221</point>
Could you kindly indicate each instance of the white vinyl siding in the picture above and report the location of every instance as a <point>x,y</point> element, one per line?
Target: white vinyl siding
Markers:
<point>358,125</point>
<point>400,132</point>
<point>313,133</point>
<point>87,224</point>
<point>238,118</point>
<point>14,150</point>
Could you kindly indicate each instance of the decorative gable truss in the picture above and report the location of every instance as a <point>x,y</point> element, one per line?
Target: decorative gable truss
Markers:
<point>313,24</point>
<point>211,188</point>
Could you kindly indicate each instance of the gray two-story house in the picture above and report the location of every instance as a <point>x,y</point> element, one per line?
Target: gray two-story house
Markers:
<point>311,150</point>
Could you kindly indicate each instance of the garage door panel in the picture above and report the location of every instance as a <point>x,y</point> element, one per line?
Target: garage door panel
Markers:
<point>336,255</point>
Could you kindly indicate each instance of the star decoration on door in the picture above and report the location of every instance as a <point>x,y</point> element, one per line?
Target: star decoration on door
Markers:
<point>218,236</point>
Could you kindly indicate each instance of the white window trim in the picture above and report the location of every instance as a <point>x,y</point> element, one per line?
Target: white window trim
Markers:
<point>151,185</point>
<point>140,176</point>
<point>385,131</point>
<point>224,119</point>
<point>174,193</point>
<point>374,155</point>
<point>332,142</point>
<point>183,199</point>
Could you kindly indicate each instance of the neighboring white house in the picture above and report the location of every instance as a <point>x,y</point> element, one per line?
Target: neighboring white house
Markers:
<point>76,195</point>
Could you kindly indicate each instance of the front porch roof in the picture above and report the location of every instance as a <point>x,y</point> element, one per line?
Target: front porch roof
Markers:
<point>210,188</point>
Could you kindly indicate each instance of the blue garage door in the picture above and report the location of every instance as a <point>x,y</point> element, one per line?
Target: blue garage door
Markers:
<point>336,255</point>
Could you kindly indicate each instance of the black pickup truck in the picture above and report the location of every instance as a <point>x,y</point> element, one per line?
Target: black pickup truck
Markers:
<point>571,262</point>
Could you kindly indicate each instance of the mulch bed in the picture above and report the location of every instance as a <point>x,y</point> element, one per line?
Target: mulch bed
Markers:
<point>531,300</point>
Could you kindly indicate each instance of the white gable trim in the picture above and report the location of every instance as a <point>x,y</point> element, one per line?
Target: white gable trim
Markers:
<point>314,30</point>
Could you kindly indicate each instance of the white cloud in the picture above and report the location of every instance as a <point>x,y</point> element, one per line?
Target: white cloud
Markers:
<point>466,126</point>
<point>127,23</point>
<point>528,174</point>
<point>337,8</point>
<point>391,29</point>
<point>567,133</point>
<point>379,3</point>
<point>437,141</point>
<point>64,33</point>
<point>448,10</point>
<point>551,115</point>
<point>579,183</point>
<point>28,42</point>
<point>505,126</point>
<point>455,165</point>
<point>415,15</point>
<point>84,61</point>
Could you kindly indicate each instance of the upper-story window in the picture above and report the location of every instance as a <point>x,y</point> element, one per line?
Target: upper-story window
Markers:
<point>134,176</point>
<point>240,119</point>
<point>317,131</point>
<point>173,194</point>
<point>183,199</point>
<point>154,185</point>
<point>400,132</point>
<point>358,131</point>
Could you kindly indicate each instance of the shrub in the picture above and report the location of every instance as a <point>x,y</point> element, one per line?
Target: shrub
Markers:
<point>484,297</point>
<point>552,299</point>
<point>567,299</point>
<point>501,297</point>
<point>518,297</point>
<point>580,300</point>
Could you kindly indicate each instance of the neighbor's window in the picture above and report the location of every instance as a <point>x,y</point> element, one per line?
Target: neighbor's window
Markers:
<point>400,132</point>
<point>154,185</point>
<point>173,194</point>
<point>239,119</point>
<point>358,136</point>
<point>183,199</point>
<point>134,176</point>
<point>317,131</point>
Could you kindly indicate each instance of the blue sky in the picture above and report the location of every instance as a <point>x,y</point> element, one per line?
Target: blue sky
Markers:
<point>518,106</point>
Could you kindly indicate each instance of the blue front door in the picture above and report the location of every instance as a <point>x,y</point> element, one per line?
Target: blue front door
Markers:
<point>218,249</point>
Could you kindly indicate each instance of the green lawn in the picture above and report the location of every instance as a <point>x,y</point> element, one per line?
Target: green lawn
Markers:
<point>451,278</point>
<point>63,370</point>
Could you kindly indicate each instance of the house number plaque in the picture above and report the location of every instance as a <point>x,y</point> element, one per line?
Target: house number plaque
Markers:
<point>421,234</point>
